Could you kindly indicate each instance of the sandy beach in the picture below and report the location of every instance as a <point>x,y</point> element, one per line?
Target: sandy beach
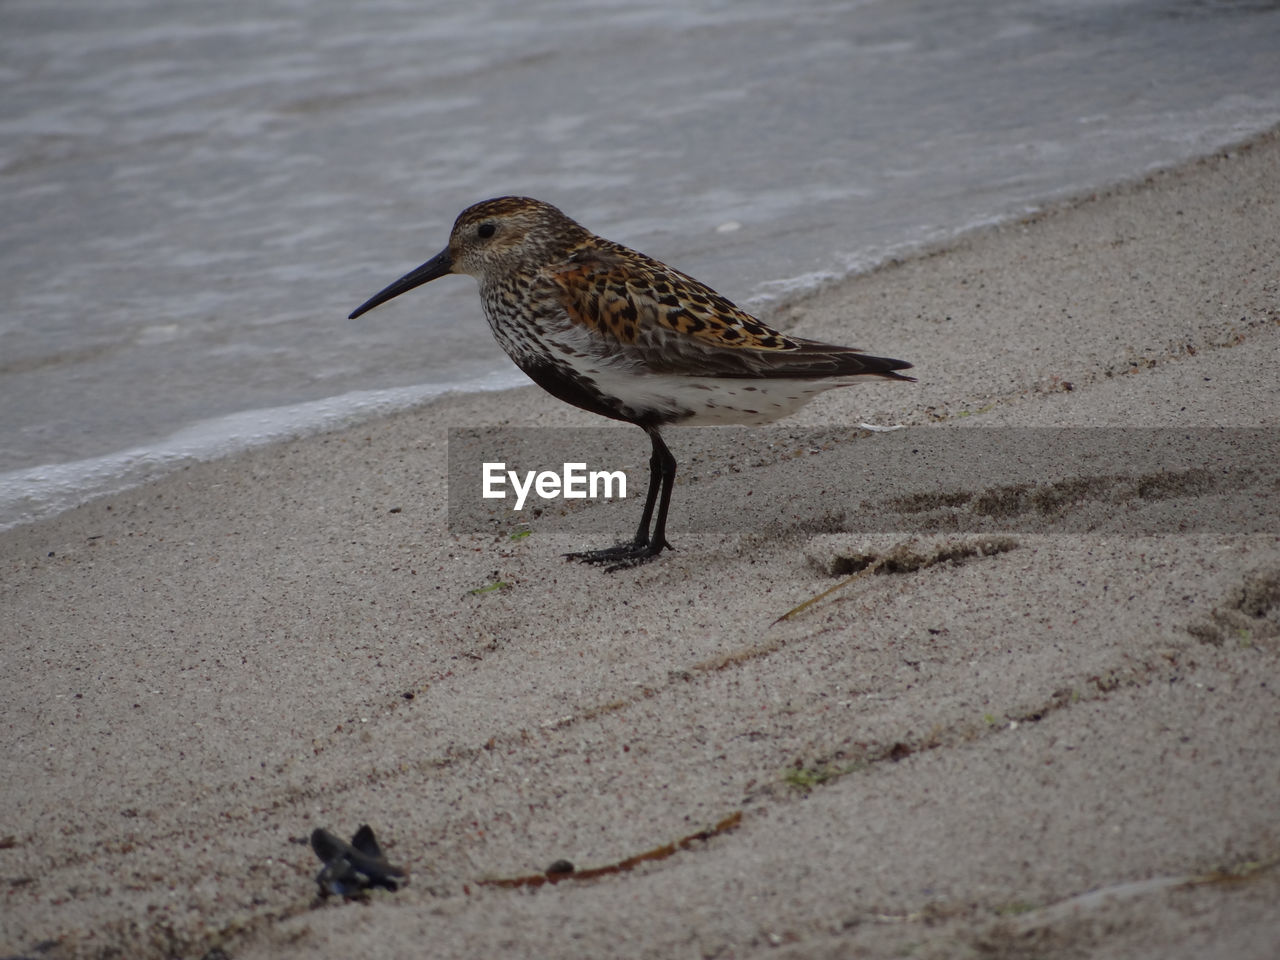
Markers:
<point>1051,744</point>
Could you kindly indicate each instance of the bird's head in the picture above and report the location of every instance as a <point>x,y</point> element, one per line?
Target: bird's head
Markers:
<point>492,237</point>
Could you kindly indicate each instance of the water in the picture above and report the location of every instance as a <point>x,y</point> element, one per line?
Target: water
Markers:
<point>195,195</point>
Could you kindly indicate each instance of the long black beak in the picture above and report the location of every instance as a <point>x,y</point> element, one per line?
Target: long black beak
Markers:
<point>437,266</point>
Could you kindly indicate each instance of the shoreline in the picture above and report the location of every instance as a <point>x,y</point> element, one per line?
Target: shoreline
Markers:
<point>957,748</point>
<point>147,462</point>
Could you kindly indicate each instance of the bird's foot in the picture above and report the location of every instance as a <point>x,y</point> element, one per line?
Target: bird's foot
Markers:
<point>623,556</point>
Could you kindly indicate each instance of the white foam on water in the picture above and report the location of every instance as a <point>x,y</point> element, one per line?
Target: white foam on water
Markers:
<point>36,492</point>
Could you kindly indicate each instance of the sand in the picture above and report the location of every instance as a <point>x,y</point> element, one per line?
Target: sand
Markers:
<point>1048,743</point>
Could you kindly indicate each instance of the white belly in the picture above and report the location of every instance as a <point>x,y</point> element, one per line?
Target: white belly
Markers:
<point>708,401</point>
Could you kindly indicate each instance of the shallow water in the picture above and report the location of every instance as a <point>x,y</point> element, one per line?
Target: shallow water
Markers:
<point>195,196</point>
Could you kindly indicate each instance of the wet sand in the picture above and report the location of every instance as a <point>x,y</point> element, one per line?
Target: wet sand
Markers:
<point>1050,744</point>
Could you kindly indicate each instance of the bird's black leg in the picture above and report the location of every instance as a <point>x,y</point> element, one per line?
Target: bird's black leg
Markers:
<point>664,464</point>
<point>651,496</point>
<point>662,476</point>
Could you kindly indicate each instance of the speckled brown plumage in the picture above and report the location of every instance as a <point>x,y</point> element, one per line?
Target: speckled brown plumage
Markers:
<point>618,333</point>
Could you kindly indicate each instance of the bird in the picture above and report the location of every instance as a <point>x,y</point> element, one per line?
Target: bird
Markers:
<point>613,331</point>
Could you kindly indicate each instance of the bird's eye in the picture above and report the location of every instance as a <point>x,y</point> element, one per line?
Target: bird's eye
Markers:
<point>485,230</point>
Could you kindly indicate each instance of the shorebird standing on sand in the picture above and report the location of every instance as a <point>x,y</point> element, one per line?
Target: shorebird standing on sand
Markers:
<point>623,335</point>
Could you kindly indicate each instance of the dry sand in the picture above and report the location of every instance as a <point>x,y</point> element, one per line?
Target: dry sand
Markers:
<point>1058,745</point>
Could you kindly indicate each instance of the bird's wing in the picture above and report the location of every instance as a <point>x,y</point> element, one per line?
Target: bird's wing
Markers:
<point>629,297</point>
<point>675,324</point>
